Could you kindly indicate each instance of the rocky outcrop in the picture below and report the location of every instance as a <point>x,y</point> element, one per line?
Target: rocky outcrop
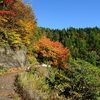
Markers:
<point>12,58</point>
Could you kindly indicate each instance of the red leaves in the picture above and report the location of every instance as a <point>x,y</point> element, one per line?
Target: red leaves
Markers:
<point>53,50</point>
<point>2,12</point>
<point>7,11</point>
<point>16,21</point>
<point>8,1</point>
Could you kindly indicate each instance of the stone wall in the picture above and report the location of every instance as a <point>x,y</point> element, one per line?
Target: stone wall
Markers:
<point>12,59</point>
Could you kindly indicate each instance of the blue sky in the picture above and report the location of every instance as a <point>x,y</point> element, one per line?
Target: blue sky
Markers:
<point>59,14</point>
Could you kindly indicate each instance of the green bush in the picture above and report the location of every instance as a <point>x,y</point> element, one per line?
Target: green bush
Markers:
<point>2,71</point>
<point>81,81</point>
<point>42,80</point>
<point>85,81</point>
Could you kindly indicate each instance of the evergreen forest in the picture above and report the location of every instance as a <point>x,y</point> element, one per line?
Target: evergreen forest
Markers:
<point>84,43</point>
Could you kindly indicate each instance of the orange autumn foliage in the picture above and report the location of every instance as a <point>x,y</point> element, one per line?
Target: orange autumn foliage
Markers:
<point>17,23</point>
<point>52,52</point>
<point>8,1</point>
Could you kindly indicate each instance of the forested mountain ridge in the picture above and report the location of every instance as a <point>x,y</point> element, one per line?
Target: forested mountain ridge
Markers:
<point>84,43</point>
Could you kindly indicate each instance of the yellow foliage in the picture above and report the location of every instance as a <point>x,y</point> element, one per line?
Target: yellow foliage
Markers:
<point>3,19</point>
<point>18,28</point>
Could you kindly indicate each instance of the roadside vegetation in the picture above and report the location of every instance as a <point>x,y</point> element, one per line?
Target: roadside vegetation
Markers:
<point>80,81</point>
<point>2,71</point>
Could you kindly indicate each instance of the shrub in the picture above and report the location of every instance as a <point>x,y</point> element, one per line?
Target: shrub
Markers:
<point>51,52</point>
<point>85,81</point>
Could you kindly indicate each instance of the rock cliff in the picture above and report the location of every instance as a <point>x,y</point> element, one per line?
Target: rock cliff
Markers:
<point>12,58</point>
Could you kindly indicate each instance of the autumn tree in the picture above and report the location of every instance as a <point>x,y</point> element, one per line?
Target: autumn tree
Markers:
<point>17,23</point>
<point>52,52</point>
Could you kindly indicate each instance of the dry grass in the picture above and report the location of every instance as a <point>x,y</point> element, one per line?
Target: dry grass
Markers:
<point>12,70</point>
<point>35,79</point>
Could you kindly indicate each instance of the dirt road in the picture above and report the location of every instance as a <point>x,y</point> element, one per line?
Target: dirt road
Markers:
<point>7,87</point>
